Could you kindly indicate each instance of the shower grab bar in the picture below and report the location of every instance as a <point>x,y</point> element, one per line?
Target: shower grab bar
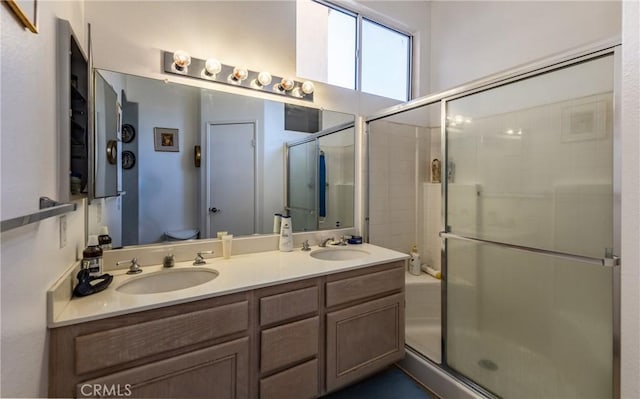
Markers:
<point>606,262</point>
<point>48,208</point>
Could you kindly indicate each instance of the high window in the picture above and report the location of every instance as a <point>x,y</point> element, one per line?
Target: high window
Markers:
<point>344,48</point>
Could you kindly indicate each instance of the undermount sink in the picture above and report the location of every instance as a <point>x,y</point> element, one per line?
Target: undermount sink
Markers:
<point>167,280</point>
<point>338,254</point>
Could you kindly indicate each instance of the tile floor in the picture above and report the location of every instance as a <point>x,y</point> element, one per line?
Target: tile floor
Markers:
<point>388,384</point>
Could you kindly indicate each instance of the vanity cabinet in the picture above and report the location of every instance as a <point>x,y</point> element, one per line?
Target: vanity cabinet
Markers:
<point>295,340</point>
<point>364,323</point>
<point>177,351</point>
<point>290,340</point>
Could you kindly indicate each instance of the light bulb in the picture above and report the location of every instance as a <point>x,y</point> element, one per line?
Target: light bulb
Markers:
<point>308,87</point>
<point>212,67</point>
<point>264,78</point>
<point>181,59</point>
<point>286,84</point>
<point>239,74</point>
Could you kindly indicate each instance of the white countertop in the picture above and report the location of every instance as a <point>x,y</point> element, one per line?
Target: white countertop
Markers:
<point>239,273</point>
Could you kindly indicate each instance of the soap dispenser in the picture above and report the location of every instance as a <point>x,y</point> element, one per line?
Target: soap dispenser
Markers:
<point>286,234</point>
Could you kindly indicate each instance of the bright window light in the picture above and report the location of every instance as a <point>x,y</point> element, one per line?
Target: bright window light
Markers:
<point>341,49</point>
<point>385,61</point>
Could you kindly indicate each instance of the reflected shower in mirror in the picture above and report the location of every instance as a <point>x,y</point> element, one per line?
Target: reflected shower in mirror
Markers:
<point>320,180</point>
<point>240,181</point>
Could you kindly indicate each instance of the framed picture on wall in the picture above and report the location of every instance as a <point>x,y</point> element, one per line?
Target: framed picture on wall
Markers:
<point>26,11</point>
<point>165,139</point>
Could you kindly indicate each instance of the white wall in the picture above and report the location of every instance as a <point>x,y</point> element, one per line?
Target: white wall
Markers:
<point>30,256</point>
<point>630,124</point>
<point>473,39</point>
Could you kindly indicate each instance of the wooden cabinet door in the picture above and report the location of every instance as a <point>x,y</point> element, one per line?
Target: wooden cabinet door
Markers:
<point>363,339</point>
<point>216,372</point>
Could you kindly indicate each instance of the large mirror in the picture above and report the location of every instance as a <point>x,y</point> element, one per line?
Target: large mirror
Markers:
<point>198,161</point>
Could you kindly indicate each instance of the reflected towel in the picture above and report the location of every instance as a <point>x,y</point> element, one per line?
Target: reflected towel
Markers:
<point>322,184</point>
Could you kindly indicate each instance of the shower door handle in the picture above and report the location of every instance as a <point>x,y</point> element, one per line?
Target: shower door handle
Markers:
<point>612,261</point>
<point>214,210</point>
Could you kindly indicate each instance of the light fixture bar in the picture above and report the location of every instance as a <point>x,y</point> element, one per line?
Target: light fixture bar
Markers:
<point>196,70</point>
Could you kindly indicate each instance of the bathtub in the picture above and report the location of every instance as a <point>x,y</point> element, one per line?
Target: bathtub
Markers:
<point>422,315</point>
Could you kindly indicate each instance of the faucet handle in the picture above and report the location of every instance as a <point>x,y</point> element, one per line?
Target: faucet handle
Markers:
<point>305,246</point>
<point>134,268</point>
<point>169,261</point>
<point>199,260</point>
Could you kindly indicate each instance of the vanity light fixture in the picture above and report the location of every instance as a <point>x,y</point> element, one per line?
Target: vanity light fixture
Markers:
<point>212,67</point>
<point>264,79</point>
<point>307,87</point>
<point>181,60</point>
<point>238,75</point>
<point>213,71</point>
<point>285,85</point>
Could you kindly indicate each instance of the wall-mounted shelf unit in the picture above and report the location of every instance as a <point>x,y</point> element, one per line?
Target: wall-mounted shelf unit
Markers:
<point>74,138</point>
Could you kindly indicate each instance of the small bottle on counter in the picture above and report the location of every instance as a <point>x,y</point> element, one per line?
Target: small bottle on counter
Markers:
<point>104,239</point>
<point>286,235</point>
<point>92,257</point>
<point>414,261</point>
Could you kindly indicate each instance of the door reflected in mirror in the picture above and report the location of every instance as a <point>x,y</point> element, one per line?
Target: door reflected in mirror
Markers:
<point>240,183</point>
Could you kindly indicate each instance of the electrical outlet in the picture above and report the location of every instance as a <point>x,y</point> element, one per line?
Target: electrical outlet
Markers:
<point>63,231</point>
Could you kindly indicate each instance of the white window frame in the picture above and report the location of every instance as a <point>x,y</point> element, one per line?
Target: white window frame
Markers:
<point>358,55</point>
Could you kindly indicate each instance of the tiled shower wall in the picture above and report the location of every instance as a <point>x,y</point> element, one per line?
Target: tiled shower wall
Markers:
<point>398,168</point>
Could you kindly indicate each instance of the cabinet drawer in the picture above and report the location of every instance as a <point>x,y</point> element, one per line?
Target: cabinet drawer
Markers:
<point>120,345</point>
<point>284,345</point>
<point>220,372</point>
<point>363,286</point>
<point>300,382</point>
<point>280,307</point>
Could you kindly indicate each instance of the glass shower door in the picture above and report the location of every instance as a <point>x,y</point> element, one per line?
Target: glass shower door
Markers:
<point>529,216</point>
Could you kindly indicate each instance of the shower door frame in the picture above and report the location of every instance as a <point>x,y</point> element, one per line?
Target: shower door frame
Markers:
<point>601,49</point>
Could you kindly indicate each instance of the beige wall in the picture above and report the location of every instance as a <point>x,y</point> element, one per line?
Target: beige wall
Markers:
<point>630,126</point>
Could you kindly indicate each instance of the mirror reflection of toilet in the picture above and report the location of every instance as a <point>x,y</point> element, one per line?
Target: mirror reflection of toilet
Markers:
<point>181,235</point>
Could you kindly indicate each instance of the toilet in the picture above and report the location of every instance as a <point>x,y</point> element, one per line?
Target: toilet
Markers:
<point>181,235</point>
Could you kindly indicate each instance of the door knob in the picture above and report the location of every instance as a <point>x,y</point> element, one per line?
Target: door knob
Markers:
<point>214,210</point>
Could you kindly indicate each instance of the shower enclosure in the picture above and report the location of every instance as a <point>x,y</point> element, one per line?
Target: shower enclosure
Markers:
<point>528,214</point>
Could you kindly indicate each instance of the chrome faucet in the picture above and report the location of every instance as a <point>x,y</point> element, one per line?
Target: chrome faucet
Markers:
<point>325,241</point>
<point>169,261</point>
<point>305,246</point>
<point>134,268</point>
<point>199,260</point>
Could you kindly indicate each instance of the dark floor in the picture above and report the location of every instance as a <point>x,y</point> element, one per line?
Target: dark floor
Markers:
<point>389,384</point>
